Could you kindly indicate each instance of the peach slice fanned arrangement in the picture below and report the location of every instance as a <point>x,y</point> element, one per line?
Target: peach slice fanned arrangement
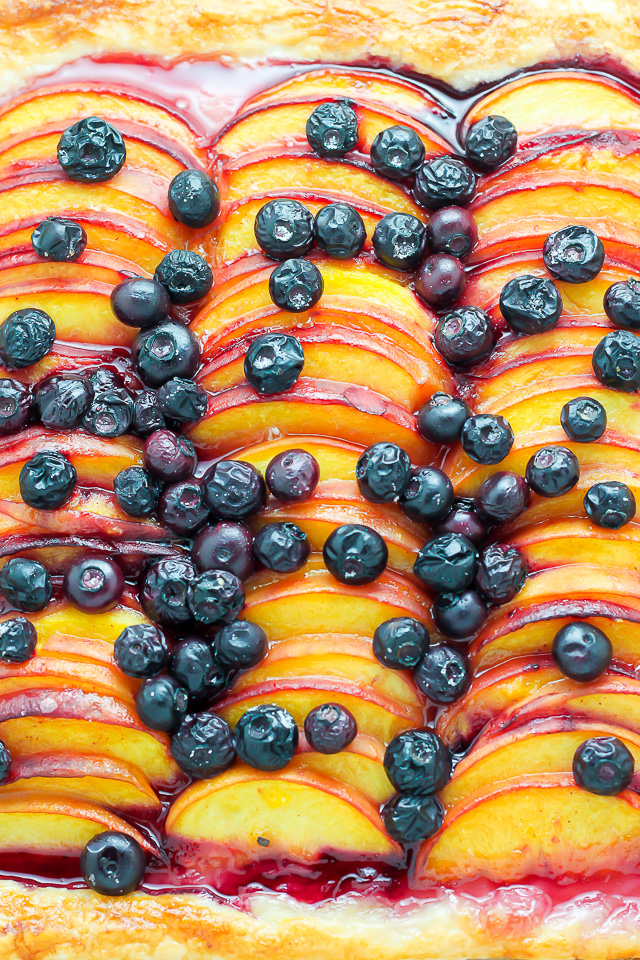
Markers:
<point>319,462</point>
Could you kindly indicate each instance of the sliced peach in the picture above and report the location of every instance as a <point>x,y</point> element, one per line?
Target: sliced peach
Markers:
<point>359,766</point>
<point>64,629</point>
<point>86,673</point>
<point>337,459</point>
<point>145,253</point>
<point>565,541</point>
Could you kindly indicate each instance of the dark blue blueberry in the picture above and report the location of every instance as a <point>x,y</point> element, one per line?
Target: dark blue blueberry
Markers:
<point>502,497</point>
<point>339,230</point>
<point>448,562</point>
<point>282,547</point>
<point>452,230</point>
<point>47,480</point>
<point>531,304</point>
<point>5,762</point>
<point>147,416</point>
<point>465,336</point>
<point>622,304</point>
<point>165,351</point>
<point>583,419</point>
<point>216,596</point>
<point>428,496</point>
<point>59,239</point>
<point>491,141</point>
<point>616,361</point>
<point>296,285</point>
<point>141,651</point>
<point>417,762</point>
<point>194,198</point>
<point>110,414</point>
<point>15,406</point>
<point>18,639</point>
<point>182,400</point>
<point>225,546</point>
<point>25,584</point>
<point>113,864</point>
<point>412,819</point>
<point>355,554</point>
<point>397,152</point>
<point>399,241</point>
<point>442,418</point>
<point>26,337</point>
<point>140,302</point>
<point>161,703</point>
<point>185,275</point>
<point>165,590</point>
<point>332,129</point>
<point>330,728</point>
<point>137,491</point>
<point>574,254</point>
<point>182,507</point>
<point>610,504</point>
<point>487,438</point>
<point>284,229</point>
<point>501,573</point>
<point>169,457</point>
<point>581,651</point>
<point>440,281</point>
<point>292,475</point>
<point>383,471</point>
<point>273,363</point>
<point>266,737</point>
<point>444,181</point>
<point>203,745</point>
<point>603,765</point>
<point>234,490</point>
<point>196,669</point>
<point>91,151</point>
<point>400,642</point>
<point>95,584</point>
<point>459,614</point>
<point>443,674</point>
<point>552,471</point>
<point>62,402</point>
<point>462,518</point>
<point>240,644</point>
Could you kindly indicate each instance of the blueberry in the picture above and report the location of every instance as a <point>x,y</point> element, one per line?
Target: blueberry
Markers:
<point>603,765</point>
<point>203,745</point>
<point>147,417</point>
<point>282,547</point>
<point>332,129</point>
<point>399,241</point>
<point>491,141</point>
<point>182,507</point>
<point>5,762</point>
<point>59,239</point>
<point>502,497</point>
<point>487,438</point>
<point>161,703</point>
<point>339,230</point>
<point>610,504</point>
<point>234,490</point>
<point>552,471</point>
<point>459,614</point>
<point>616,361</point>
<point>110,414</point>
<point>215,596</point>
<point>440,281</point>
<point>293,475</point>
<point>26,337</point>
<point>284,229</point>
<point>104,378</point>
<point>225,546</point>
<point>165,351</point>
<point>141,651</point>
<point>412,819</point>
<point>240,644</point>
<point>140,302</point>
<point>25,584</point>
<point>583,419</point>
<point>112,863</point>
<point>296,285</point>
<point>137,491</point>
<point>443,674</point>
<point>383,471</point>
<point>444,181</point>
<point>531,304</point>
<point>428,496</point>
<point>18,639</point>
<point>574,254</point>
<point>185,275</point>
<point>581,651</point>
<point>355,554</point>
<point>330,728</point>
<point>397,152</point>
<point>266,737</point>
<point>195,668</point>
<point>62,402</point>
<point>15,406</point>
<point>47,480</point>
<point>442,418</point>
<point>622,304</point>
<point>462,518</point>
<point>91,151</point>
<point>169,457</point>
<point>452,230</point>
<point>501,573</point>
<point>273,363</point>
<point>95,584</point>
<point>165,590</point>
<point>182,400</point>
<point>400,642</point>
<point>194,198</point>
<point>448,562</point>
<point>465,336</point>
<point>417,762</point>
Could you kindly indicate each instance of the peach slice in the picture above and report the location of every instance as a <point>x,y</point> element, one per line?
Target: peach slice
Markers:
<point>337,459</point>
<point>87,674</point>
<point>359,766</point>
<point>64,629</point>
<point>543,826</point>
<point>557,543</point>
<point>244,813</point>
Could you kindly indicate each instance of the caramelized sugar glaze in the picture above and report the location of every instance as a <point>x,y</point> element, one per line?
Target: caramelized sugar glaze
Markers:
<point>513,811</point>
